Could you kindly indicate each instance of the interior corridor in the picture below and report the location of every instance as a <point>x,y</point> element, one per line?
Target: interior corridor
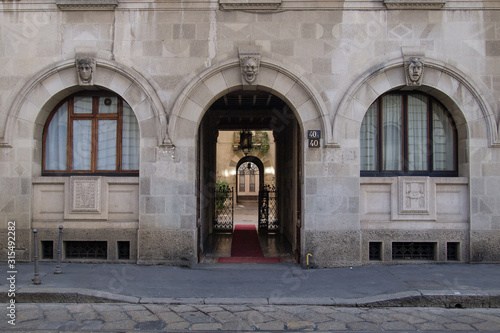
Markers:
<point>272,245</point>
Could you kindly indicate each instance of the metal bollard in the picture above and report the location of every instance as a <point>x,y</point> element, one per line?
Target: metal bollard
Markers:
<point>59,247</point>
<point>36,279</point>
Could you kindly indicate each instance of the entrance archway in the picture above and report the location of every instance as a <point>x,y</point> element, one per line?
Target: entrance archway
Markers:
<point>271,121</point>
<point>249,178</point>
<point>189,134</point>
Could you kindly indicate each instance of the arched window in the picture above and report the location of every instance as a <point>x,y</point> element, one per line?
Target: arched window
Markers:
<point>408,134</point>
<point>91,133</point>
<point>246,174</point>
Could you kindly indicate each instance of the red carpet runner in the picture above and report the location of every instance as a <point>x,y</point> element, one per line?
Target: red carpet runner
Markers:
<point>245,247</point>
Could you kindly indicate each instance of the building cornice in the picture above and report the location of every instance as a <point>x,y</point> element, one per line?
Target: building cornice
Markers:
<point>245,5</point>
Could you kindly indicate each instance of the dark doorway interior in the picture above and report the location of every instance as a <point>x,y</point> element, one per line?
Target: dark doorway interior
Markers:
<point>255,111</point>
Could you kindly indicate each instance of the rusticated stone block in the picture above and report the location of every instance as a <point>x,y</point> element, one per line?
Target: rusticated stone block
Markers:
<point>333,248</point>
<point>484,246</point>
<point>173,247</point>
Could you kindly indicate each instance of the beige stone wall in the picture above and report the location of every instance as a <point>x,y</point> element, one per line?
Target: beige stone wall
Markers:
<point>171,60</point>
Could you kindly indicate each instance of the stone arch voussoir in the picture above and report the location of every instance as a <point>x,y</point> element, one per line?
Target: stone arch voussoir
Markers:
<point>450,85</point>
<point>207,87</point>
<point>44,91</point>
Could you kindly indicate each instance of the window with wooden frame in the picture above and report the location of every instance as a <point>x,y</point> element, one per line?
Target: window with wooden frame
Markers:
<point>91,133</point>
<point>407,133</point>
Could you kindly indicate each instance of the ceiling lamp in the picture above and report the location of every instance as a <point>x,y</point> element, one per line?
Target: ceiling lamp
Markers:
<point>245,141</point>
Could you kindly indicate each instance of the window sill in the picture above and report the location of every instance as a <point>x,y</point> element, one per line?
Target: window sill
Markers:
<point>414,4</point>
<point>70,5</point>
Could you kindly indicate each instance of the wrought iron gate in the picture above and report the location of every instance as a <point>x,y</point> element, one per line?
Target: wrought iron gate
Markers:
<point>224,209</point>
<point>268,209</point>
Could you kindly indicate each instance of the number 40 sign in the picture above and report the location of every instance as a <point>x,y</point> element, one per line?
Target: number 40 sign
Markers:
<point>314,137</point>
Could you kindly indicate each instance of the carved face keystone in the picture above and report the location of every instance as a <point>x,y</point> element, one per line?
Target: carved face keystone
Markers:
<point>415,69</point>
<point>85,70</point>
<point>249,69</point>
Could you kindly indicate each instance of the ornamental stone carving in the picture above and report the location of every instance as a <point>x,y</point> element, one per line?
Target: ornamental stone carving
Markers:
<point>413,195</point>
<point>85,194</point>
<point>250,63</point>
<point>414,71</point>
<point>86,71</point>
<point>413,59</point>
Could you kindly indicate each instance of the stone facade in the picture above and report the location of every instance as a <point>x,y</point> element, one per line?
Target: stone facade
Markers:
<point>327,61</point>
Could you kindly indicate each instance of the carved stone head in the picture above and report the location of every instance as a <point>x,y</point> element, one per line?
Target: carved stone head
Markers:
<point>85,68</point>
<point>414,72</point>
<point>249,68</point>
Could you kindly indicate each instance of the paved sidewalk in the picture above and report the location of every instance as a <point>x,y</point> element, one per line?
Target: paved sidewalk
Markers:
<point>442,285</point>
<point>123,317</point>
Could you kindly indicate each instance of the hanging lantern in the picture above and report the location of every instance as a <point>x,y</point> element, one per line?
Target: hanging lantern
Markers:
<point>245,141</point>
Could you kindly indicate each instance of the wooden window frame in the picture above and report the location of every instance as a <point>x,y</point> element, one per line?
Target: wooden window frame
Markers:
<point>94,117</point>
<point>379,172</point>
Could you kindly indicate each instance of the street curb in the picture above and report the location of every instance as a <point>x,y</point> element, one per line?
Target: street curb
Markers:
<point>432,298</point>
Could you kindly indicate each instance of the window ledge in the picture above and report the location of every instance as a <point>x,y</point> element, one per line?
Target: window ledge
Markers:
<point>414,4</point>
<point>255,5</point>
<point>67,5</point>
<point>436,180</point>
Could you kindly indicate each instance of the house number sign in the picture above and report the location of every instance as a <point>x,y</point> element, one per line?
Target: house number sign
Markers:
<point>314,137</point>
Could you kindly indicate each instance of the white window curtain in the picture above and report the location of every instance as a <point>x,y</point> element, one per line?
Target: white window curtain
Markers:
<point>56,140</point>
<point>108,104</point>
<point>130,139</point>
<point>106,144</point>
<point>417,133</point>
<point>242,181</point>
<point>82,104</point>
<point>252,182</point>
<point>392,128</point>
<point>443,143</point>
<point>82,142</point>
<point>368,138</point>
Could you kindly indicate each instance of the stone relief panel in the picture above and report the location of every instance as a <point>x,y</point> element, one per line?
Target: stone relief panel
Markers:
<point>85,194</point>
<point>86,199</point>
<point>413,195</point>
<point>414,198</point>
<point>403,200</point>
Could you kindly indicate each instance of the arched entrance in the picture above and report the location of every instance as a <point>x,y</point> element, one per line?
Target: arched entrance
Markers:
<point>273,162</point>
<point>249,178</point>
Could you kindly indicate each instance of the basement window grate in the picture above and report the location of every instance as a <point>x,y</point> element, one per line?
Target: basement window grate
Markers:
<point>123,250</point>
<point>86,250</point>
<point>413,250</point>
<point>452,251</point>
<point>47,249</point>
<point>375,251</point>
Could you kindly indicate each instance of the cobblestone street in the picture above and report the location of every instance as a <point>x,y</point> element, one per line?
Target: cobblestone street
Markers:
<point>159,317</point>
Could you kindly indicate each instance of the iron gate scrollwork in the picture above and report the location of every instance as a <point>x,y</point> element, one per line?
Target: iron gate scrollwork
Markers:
<point>268,209</point>
<point>224,209</point>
